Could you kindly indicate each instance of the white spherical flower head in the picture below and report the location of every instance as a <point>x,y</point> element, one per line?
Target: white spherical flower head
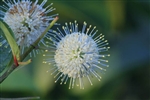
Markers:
<point>27,19</point>
<point>78,54</point>
<point>73,52</point>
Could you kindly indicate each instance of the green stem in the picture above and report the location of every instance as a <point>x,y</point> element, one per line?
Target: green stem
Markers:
<point>47,29</point>
<point>8,72</point>
<point>37,41</point>
<point>13,66</point>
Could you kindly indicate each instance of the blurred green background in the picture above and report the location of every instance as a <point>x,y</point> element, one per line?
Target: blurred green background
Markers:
<point>125,25</point>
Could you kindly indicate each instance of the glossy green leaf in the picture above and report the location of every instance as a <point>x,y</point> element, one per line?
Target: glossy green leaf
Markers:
<point>9,36</point>
<point>5,53</point>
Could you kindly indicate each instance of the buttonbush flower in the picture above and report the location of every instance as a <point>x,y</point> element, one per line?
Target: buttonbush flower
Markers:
<point>27,19</point>
<point>77,54</point>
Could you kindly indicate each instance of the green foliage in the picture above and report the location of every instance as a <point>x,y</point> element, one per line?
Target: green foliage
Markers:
<point>5,53</point>
<point>8,34</point>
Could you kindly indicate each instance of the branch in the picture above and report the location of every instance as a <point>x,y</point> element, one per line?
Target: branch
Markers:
<point>5,75</point>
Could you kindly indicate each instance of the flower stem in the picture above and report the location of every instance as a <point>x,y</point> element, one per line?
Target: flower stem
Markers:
<point>37,41</point>
<point>13,66</point>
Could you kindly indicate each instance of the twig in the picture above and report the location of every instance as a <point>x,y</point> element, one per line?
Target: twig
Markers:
<point>5,75</point>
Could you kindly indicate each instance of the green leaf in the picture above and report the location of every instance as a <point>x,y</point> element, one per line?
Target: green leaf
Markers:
<point>9,36</point>
<point>5,53</point>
